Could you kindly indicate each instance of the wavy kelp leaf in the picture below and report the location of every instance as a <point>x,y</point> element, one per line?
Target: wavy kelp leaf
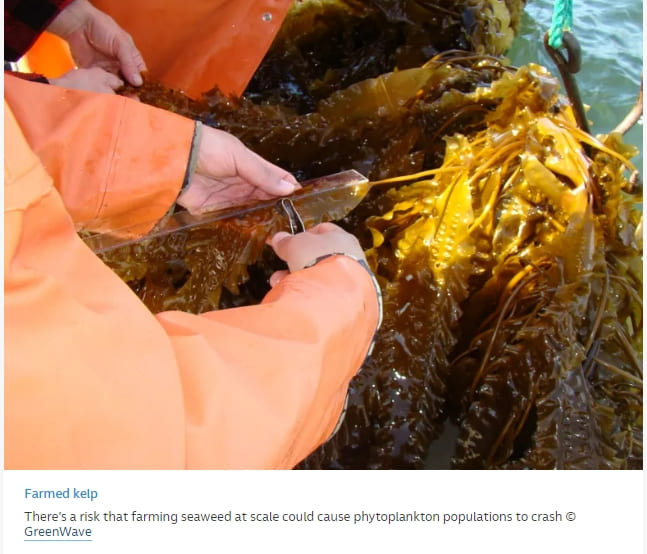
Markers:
<point>397,401</point>
<point>522,387</point>
<point>327,45</point>
<point>187,270</point>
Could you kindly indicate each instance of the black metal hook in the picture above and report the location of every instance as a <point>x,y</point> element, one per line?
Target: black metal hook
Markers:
<point>567,68</point>
<point>572,46</point>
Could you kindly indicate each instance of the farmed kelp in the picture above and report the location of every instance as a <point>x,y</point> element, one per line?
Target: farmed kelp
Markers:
<point>507,241</point>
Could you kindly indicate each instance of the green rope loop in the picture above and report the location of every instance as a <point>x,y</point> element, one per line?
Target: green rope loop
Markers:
<point>562,21</point>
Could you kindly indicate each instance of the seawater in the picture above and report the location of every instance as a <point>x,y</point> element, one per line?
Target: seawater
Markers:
<point>610,34</point>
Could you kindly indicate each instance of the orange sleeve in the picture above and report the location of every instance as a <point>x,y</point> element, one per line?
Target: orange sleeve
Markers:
<point>195,46</point>
<point>277,372</point>
<point>115,162</point>
<point>93,380</point>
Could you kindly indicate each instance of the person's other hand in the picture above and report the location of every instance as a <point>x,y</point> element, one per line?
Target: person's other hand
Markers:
<point>94,79</point>
<point>95,39</point>
<point>228,174</point>
<point>302,249</point>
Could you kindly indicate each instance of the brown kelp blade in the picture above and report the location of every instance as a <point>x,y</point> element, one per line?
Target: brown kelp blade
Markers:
<point>325,198</point>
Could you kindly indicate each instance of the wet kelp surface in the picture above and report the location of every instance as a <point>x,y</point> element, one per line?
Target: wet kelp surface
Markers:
<point>325,46</point>
<point>511,268</point>
<point>516,232</point>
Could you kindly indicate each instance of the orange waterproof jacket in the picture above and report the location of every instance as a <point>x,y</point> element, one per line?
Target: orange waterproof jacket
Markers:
<point>92,378</point>
<point>191,46</point>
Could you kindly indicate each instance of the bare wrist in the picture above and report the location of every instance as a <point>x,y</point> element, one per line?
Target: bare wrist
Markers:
<point>71,19</point>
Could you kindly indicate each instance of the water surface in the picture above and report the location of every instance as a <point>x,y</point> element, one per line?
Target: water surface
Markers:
<point>610,34</point>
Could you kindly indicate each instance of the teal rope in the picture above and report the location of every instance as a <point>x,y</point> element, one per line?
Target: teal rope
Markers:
<point>562,21</point>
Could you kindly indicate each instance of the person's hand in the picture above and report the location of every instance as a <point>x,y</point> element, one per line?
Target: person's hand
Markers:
<point>228,173</point>
<point>302,249</point>
<point>94,79</point>
<point>96,40</point>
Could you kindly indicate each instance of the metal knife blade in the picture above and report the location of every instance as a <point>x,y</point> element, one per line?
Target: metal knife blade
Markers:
<point>321,199</point>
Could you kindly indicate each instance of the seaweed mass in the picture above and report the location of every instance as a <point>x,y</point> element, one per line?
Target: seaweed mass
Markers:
<point>507,242</point>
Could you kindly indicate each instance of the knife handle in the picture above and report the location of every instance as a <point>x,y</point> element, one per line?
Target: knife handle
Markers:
<point>294,219</point>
